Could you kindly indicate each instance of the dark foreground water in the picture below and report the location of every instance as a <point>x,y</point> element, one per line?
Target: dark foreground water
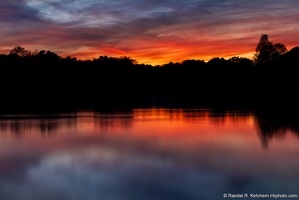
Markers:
<point>146,154</point>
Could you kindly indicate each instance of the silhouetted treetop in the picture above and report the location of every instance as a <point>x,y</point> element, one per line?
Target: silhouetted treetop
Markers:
<point>266,51</point>
<point>279,49</point>
<point>263,50</point>
<point>240,61</point>
<point>20,51</point>
<point>217,61</point>
<point>294,52</point>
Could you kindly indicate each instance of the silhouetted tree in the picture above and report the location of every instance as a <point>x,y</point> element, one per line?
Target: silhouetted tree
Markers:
<point>217,61</point>
<point>264,50</point>
<point>240,61</point>
<point>279,49</point>
<point>20,51</point>
<point>127,60</point>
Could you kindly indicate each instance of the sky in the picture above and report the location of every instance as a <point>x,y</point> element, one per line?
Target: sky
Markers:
<point>150,31</point>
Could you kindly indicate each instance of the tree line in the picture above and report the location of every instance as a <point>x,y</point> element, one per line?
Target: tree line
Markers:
<point>43,79</point>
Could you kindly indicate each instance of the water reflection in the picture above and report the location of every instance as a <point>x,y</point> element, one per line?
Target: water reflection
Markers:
<point>268,125</point>
<point>275,125</point>
<point>145,154</point>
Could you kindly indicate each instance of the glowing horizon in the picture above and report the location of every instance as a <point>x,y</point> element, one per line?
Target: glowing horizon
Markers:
<point>156,32</point>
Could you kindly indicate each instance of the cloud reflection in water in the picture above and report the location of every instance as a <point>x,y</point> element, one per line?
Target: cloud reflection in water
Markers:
<point>162,154</point>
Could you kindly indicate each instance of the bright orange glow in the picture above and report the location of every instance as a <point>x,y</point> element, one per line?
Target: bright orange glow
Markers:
<point>158,52</point>
<point>155,34</point>
<point>176,46</point>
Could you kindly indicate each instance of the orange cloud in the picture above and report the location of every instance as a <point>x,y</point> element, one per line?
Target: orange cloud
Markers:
<point>154,33</point>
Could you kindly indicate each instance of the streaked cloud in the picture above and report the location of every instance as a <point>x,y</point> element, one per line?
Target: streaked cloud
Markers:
<point>149,31</point>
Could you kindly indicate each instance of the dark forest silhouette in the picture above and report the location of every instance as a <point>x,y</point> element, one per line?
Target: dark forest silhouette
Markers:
<point>42,80</point>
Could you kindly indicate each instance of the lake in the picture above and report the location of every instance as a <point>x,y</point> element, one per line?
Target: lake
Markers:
<point>147,154</point>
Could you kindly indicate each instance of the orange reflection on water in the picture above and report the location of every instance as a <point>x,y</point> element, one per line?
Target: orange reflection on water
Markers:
<point>185,150</point>
<point>194,125</point>
<point>180,121</point>
<point>85,120</point>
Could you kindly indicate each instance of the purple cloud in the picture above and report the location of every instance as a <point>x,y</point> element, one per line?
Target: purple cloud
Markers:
<point>79,27</point>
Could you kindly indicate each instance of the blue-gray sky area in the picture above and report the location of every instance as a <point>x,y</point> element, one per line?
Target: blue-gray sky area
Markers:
<point>154,32</point>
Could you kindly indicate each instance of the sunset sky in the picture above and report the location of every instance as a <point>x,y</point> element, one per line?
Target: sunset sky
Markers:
<point>150,31</point>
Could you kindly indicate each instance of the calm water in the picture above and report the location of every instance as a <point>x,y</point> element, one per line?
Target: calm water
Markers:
<point>156,154</point>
